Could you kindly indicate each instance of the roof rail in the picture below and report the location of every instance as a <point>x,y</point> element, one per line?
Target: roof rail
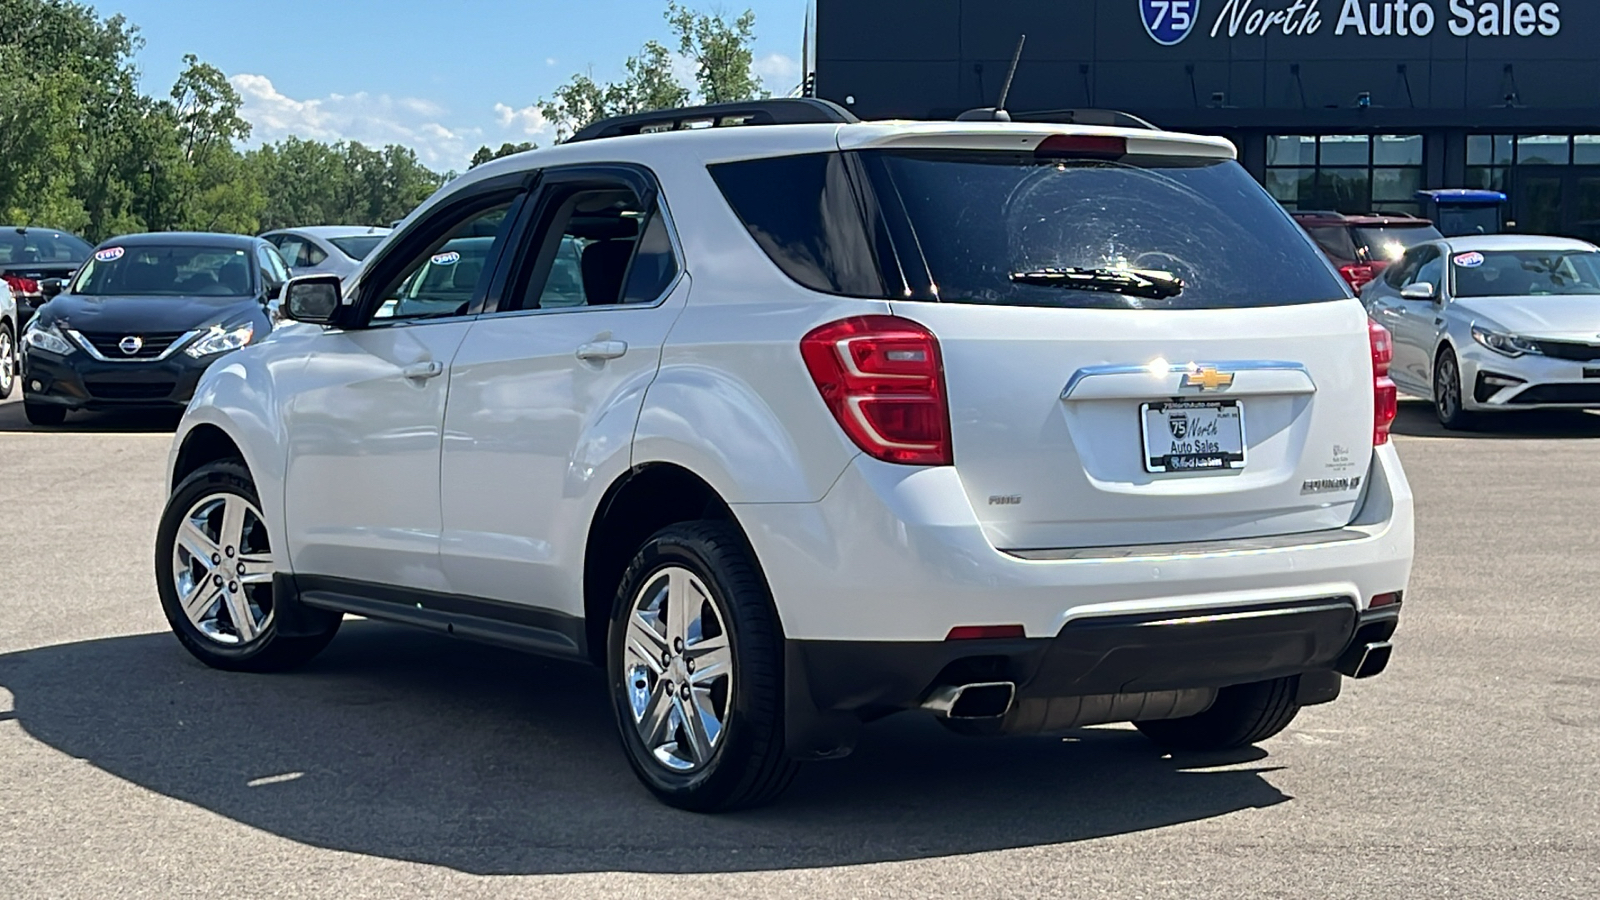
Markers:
<point>782,111</point>
<point>1113,118</point>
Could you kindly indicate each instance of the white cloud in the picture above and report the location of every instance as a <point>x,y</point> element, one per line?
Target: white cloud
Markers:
<point>550,60</point>
<point>779,73</point>
<point>371,119</point>
<point>528,121</point>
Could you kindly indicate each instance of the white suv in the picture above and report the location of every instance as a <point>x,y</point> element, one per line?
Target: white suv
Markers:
<point>794,425</point>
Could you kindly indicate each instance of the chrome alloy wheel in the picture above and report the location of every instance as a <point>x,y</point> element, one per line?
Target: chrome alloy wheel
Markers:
<point>678,669</point>
<point>222,569</point>
<point>1447,387</point>
<point>8,362</point>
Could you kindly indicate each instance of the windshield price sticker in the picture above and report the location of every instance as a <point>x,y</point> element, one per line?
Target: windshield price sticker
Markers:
<point>1469,260</point>
<point>1193,435</point>
<point>110,254</point>
<point>446,259</point>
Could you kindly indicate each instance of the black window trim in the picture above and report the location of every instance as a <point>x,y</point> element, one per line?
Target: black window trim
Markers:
<point>515,187</point>
<point>644,184</point>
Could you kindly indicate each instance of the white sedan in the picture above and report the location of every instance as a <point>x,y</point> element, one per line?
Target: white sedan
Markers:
<point>1494,323</point>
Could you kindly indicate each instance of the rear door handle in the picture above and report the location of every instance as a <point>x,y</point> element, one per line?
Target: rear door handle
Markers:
<point>422,371</point>
<point>602,350</point>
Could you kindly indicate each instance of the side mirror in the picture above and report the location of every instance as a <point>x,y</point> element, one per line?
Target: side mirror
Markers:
<point>1421,291</point>
<point>311,298</point>
<point>52,287</point>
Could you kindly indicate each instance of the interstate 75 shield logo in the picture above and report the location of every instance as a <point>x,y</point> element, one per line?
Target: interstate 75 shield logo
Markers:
<point>1169,21</point>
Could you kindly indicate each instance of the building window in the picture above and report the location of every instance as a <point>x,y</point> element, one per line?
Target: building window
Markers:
<point>1348,173</point>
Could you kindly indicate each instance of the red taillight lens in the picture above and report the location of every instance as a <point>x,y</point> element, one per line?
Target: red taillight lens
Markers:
<point>1385,397</point>
<point>883,380</point>
<point>22,285</point>
<point>1358,275</point>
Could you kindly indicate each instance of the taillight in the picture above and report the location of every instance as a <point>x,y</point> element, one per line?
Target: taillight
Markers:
<point>1385,397</point>
<point>1082,146</point>
<point>883,380</point>
<point>25,286</point>
<point>1358,275</point>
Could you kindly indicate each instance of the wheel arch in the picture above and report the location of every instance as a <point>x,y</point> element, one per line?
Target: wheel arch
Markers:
<point>639,503</point>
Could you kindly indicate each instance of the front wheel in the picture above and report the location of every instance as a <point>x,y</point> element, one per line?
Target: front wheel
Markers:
<point>1447,402</point>
<point>1241,715</point>
<point>214,574</point>
<point>695,668</point>
<point>8,361</point>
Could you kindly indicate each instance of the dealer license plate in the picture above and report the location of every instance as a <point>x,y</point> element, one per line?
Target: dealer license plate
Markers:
<point>1192,435</point>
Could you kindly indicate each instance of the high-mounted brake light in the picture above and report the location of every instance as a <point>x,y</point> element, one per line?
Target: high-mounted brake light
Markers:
<point>1082,146</point>
<point>985,632</point>
<point>1385,396</point>
<point>883,380</point>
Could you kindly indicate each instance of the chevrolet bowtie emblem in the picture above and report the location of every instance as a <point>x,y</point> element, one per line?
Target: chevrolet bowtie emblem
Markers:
<point>1207,379</point>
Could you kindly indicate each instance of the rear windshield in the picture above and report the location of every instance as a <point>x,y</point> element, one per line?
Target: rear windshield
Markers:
<point>1388,244</point>
<point>358,247</point>
<point>35,245</point>
<point>1006,229</point>
<point>1524,273</point>
<point>154,271</point>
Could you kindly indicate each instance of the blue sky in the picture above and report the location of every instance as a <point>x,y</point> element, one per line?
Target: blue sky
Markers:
<point>442,77</point>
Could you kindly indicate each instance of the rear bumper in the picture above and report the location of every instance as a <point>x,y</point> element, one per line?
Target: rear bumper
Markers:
<point>80,382</point>
<point>1112,668</point>
<point>895,553</point>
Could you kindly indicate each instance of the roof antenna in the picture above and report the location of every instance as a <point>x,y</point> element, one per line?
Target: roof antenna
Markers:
<point>997,113</point>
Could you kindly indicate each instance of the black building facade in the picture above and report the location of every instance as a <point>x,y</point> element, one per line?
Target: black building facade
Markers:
<point>1334,104</point>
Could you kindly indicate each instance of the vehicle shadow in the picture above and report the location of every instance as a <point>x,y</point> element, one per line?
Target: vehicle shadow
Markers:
<point>1416,419</point>
<point>411,746</point>
<point>13,419</point>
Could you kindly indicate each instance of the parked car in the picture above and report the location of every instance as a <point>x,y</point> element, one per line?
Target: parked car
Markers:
<point>31,256</point>
<point>143,318</point>
<point>845,419</point>
<point>8,339</point>
<point>332,249</point>
<point>1361,247</point>
<point>1496,323</point>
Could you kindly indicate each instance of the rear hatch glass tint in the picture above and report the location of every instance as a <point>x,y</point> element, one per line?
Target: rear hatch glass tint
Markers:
<point>962,226</point>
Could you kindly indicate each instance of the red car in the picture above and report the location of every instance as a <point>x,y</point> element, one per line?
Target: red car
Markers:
<point>1362,246</point>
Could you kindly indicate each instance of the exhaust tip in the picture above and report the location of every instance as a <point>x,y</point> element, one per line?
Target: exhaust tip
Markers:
<point>982,700</point>
<point>1366,660</point>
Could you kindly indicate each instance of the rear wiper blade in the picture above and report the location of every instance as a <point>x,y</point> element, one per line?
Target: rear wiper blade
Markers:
<point>1134,282</point>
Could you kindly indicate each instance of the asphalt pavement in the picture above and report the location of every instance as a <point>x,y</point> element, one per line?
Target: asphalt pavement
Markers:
<point>400,764</point>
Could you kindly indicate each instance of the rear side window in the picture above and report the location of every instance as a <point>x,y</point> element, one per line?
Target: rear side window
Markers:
<point>803,213</point>
<point>1002,229</point>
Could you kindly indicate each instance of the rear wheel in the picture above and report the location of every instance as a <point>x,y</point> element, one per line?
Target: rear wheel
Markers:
<point>1447,402</point>
<point>695,665</point>
<point>1242,714</point>
<point>214,573</point>
<point>44,414</point>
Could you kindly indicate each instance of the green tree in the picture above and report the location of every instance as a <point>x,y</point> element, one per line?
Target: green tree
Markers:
<point>721,51</point>
<point>484,154</point>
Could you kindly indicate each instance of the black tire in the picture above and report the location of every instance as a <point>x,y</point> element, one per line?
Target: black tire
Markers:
<point>266,652</point>
<point>1448,393</point>
<point>43,414</point>
<point>749,766</point>
<point>8,360</point>
<point>1243,714</point>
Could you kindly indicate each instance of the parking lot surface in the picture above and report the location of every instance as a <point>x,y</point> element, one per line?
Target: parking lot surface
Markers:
<point>403,764</point>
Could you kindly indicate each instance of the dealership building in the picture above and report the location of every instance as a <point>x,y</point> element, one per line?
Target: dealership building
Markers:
<point>1352,105</point>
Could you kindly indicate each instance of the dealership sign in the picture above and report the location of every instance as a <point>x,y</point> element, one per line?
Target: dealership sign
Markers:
<point>1168,22</point>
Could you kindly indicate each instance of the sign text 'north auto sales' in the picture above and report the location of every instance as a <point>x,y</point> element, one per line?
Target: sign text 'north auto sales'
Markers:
<point>1170,21</point>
